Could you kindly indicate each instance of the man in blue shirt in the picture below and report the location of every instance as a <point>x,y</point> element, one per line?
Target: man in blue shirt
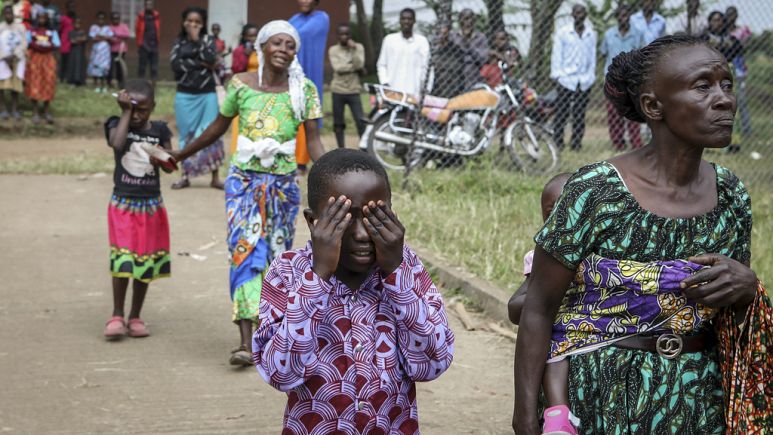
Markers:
<point>621,39</point>
<point>649,22</point>
<point>313,26</point>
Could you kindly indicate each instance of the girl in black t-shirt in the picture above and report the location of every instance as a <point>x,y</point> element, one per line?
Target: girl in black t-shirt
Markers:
<point>137,219</point>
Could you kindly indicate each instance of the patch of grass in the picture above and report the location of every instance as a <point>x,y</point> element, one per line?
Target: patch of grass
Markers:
<point>80,111</point>
<point>62,165</point>
<point>83,102</point>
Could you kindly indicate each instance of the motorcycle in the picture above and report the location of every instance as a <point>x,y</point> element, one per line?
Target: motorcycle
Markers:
<point>402,133</point>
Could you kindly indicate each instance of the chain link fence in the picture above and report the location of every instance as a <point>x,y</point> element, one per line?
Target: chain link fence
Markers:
<point>489,94</point>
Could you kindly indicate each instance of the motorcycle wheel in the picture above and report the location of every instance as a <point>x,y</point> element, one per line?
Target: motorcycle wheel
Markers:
<point>389,154</point>
<point>531,147</point>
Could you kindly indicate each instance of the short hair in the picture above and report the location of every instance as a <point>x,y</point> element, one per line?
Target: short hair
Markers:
<point>623,7</point>
<point>140,87</point>
<point>344,24</point>
<point>334,164</point>
<point>630,71</point>
<point>101,13</point>
<point>711,15</point>
<point>409,11</point>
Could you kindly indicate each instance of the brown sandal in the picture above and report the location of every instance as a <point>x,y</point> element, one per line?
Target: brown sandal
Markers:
<point>240,357</point>
<point>181,184</point>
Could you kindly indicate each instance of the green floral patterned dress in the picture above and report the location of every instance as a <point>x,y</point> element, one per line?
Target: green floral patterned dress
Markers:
<point>614,390</point>
<point>262,202</point>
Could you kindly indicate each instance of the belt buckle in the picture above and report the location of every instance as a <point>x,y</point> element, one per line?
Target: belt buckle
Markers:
<point>669,346</point>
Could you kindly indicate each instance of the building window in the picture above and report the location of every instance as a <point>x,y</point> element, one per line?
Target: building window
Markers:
<point>128,9</point>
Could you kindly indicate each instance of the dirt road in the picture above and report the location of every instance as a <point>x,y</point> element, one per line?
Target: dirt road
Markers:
<point>58,376</point>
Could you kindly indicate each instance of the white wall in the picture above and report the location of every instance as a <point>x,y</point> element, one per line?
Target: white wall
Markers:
<point>231,15</point>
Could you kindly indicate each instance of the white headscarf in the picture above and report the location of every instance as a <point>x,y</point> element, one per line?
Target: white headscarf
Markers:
<point>297,78</point>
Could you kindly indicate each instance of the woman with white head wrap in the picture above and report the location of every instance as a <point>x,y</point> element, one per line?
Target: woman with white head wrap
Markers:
<point>262,196</point>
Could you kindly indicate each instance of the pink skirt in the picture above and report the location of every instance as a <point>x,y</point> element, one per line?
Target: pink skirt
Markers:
<point>139,238</point>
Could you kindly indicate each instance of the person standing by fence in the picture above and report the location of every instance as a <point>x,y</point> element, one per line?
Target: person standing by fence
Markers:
<point>692,23</point>
<point>404,57</point>
<point>620,39</point>
<point>474,45</point>
<point>195,104</point>
<point>76,61</point>
<point>348,61</point>
<point>649,21</point>
<point>741,34</point>
<point>40,73</point>
<point>99,62</point>
<point>148,31</point>
<point>244,58</point>
<point>573,66</point>
<point>13,50</point>
<point>447,76</point>
<point>313,26</point>
<point>117,50</point>
<point>66,23</point>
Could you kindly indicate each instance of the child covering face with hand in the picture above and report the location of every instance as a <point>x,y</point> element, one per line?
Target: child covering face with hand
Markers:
<point>349,323</point>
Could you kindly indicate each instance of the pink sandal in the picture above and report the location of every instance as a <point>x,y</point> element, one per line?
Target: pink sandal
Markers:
<point>115,328</point>
<point>559,421</point>
<point>137,328</point>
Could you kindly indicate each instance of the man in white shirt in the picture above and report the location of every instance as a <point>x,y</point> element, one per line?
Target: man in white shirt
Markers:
<point>404,57</point>
<point>573,66</point>
<point>692,22</point>
<point>651,24</point>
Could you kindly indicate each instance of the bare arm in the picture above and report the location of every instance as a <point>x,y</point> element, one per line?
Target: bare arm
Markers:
<point>209,136</point>
<point>515,304</point>
<point>312,139</point>
<point>531,349</point>
<point>118,133</point>
<point>117,137</point>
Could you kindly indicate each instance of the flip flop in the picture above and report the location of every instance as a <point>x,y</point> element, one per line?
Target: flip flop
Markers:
<point>115,328</point>
<point>137,328</point>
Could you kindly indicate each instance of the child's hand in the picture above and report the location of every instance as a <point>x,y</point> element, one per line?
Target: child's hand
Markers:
<point>326,233</point>
<point>125,101</point>
<point>387,234</point>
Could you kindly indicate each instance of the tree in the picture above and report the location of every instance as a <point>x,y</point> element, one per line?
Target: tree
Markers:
<point>377,26</point>
<point>367,39</point>
<point>543,13</point>
<point>495,13</point>
<point>443,10</point>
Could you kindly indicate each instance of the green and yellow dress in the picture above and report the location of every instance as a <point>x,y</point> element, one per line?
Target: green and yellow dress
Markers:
<point>262,197</point>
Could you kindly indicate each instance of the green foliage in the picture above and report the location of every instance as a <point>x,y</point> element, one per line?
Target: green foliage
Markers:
<point>760,44</point>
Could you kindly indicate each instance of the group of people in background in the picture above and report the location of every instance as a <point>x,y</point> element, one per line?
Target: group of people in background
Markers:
<point>573,63</point>
<point>31,35</point>
<point>456,60</point>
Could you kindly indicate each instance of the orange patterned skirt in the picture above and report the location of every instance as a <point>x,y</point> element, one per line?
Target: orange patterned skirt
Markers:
<point>40,76</point>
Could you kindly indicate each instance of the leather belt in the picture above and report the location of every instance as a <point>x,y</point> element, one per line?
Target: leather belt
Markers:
<point>668,346</point>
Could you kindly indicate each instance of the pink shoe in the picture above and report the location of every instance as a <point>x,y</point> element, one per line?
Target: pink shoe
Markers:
<point>137,328</point>
<point>115,328</point>
<point>559,421</point>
